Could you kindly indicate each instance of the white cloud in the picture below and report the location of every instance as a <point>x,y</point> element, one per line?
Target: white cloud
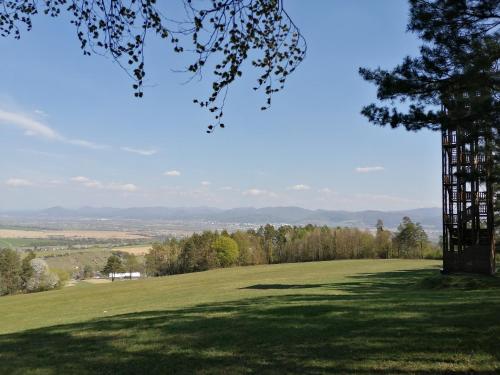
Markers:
<point>41,153</point>
<point>88,182</point>
<point>299,187</point>
<point>369,169</point>
<point>36,128</point>
<point>326,191</point>
<point>172,173</point>
<point>138,151</point>
<point>113,186</point>
<point>93,184</point>
<point>56,182</point>
<point>130,188</point>
<point>205,183</point>
<point>254,192</point>
<point>259,192</point>
<point>226,188</point>
<point>18,182</point>
<point>80,179</point>
<point>87,144</point>
<point>31,127</point>
<point>41,112</point>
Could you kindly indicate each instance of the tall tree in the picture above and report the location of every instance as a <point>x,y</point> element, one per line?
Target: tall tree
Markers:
<point>454,81</point>
<point>163,258</point>
<point>10,271</point>
<point>383,242</point>
<point>227,250</point>
<point>410,239</point>
<point>27,270</point>
<point>267,234</point>
<point>113,266</point>
<point>131,264</point>
<point>460,55</point>
<point>230,31</point>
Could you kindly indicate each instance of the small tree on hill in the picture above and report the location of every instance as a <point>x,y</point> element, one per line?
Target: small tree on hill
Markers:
<point>113,265</point>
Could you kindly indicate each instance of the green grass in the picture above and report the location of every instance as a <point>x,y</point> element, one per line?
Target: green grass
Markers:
<point>361,316</point>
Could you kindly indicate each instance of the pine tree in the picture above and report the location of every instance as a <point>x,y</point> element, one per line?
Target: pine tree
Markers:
<point>459,55</point>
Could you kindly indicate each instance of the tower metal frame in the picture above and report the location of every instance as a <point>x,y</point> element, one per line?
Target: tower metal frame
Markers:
<point>468,210</point>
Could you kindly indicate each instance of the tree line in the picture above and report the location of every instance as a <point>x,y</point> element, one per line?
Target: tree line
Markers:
<point>26,275</point>
<point>286,244</point>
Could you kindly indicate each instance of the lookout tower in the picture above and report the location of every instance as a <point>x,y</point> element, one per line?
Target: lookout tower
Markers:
<point>468,212</point>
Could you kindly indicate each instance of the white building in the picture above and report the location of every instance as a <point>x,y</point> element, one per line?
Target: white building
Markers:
<point>125,275</point>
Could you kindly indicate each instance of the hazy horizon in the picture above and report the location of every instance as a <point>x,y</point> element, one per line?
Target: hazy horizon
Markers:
<point>208,207</point>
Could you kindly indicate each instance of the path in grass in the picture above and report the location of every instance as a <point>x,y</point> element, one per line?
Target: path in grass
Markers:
<point>330,317</point>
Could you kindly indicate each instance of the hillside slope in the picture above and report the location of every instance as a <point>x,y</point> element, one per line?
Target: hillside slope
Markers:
<point>356,316</point>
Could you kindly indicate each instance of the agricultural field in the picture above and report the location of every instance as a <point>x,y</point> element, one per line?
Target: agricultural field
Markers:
<point>134,249</point>
<point>53,234</point>
<point>352,316</point>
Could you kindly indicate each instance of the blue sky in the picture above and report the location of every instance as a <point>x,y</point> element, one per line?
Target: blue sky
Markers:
<point>72,134</point>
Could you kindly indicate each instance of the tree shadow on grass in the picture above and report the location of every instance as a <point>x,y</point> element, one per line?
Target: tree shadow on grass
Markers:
<point>373,323</point>
<point>284,286</point>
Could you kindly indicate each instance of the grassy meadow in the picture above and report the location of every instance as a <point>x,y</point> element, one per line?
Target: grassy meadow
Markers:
<point>353,316</point>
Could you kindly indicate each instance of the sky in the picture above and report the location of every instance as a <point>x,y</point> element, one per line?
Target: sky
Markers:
<point>72,134</point>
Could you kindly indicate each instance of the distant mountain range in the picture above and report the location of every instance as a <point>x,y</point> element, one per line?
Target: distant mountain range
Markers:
<point>428,217</point>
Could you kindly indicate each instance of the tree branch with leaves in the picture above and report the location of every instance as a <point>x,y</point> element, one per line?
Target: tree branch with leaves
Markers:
<point>230,32</point>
